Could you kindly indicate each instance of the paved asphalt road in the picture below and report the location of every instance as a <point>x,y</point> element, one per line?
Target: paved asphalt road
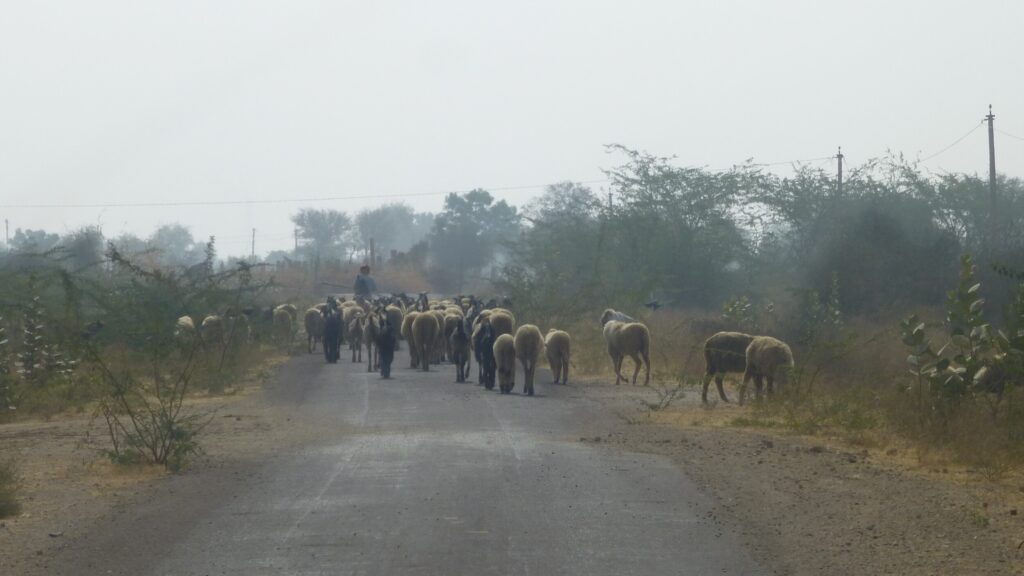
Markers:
<point>426,476</point>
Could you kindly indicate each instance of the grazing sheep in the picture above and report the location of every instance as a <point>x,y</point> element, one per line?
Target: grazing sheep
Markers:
<point>766,358</point>
<point>504,352</point>
<point>425,329</point>
<point>314,322</point>
<point>185,330</point>
<point>407,334</point>
<point>212,330</point>
<point>387,342</point>
<point>282,326</point>
<point>724,352</point>
<point>459,347</point>
<point>610,315</point>
<point>633,340</point>
<point>333,328</point>
<point>483,348</point>
<point>503,322</point>
<point>292,311</point>
<point>529,345</point>
<point>371,331</point>
<point>557,344</point>
<point>395,317</point>
<point>355,337</point>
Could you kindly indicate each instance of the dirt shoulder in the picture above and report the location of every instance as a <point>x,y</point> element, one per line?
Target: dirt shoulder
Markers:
<point>68,487</point>
<point>814,506</point>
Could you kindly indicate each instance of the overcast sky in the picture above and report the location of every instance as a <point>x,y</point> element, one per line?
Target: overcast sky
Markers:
<point>113,102</point>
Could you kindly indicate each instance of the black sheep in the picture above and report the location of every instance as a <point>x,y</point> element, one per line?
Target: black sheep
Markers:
<point>483,346</point>
<point>386,344</point>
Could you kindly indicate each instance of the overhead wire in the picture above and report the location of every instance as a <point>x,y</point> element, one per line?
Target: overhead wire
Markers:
<point>169,204</point>
<point>1005,133</point>
<point>955,142</point>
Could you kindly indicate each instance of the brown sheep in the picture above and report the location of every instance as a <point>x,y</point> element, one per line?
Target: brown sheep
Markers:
<point>414,353</point>
<point>633,340</point>
<point>766,358</point>
<point>724,352</point>
<point>505,362</point>
<point>529,345</point>
<point>440,342</point>
<point>425,329</point>
<point>314,323</point>
<point>557,344</point>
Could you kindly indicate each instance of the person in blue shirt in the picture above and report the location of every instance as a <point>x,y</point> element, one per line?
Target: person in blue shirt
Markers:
<point>364,286</point>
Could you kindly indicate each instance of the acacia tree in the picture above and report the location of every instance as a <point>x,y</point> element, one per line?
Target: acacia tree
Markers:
<point>468,234</point>
<point>325,230</point>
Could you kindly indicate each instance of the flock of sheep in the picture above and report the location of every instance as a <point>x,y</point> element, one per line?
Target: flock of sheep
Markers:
<point>459,329</point>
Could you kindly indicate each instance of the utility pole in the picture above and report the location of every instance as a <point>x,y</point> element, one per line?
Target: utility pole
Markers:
<point>7,233</point>
<point>993,222</point>
<point>252,255</point>
<point>609,201</point>
<point>372,253</point>
<point>839,178</point>
<point>296,231</point>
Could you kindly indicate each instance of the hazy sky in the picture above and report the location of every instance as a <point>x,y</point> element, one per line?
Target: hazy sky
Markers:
<point>112,102</point>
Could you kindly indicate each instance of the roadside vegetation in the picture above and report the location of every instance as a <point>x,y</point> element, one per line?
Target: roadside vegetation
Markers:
<point>896,331</point>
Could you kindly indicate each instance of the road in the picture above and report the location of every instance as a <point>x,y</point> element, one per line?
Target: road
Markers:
<point>420,475</point>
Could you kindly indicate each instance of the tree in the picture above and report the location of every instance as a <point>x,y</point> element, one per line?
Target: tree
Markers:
<point>325,231</point>
<point>83,248</point>
<point>467,235</point>
<point>33,241</point>
<point>176,246</point>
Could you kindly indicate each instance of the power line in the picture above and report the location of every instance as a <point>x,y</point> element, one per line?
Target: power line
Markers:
<point>277,200</point>
<point>955,142</point>
<point>1005,133</point>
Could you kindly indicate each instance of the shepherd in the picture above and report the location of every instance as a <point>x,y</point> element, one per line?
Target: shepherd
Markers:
<point>364,286</point>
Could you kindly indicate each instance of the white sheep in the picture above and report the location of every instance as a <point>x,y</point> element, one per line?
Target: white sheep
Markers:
<point>505,362</point>
<point>557,344</point>
<point>610,314</point>
<point>529,346</point>
<point>628,339</point>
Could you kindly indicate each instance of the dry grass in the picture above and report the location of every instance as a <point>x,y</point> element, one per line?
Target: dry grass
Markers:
<point>9,505</point>
<point>855,390</point>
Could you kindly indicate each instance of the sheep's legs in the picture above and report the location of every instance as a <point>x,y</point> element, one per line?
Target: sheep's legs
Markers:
<point>647,368</point>
<point>704,388</point>
<point>758,387</point>
<point>636,367</point>
<point>721,390</point>
<point>565,372</point>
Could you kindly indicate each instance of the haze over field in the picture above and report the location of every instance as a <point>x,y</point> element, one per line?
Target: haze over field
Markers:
<point>194,101</point>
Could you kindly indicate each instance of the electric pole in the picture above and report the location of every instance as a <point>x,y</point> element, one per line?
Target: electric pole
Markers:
<point>252,256</point>
<point>993,222</point>
<point>609,201</point>
<point>839,178</point>
<point>296,231</point>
